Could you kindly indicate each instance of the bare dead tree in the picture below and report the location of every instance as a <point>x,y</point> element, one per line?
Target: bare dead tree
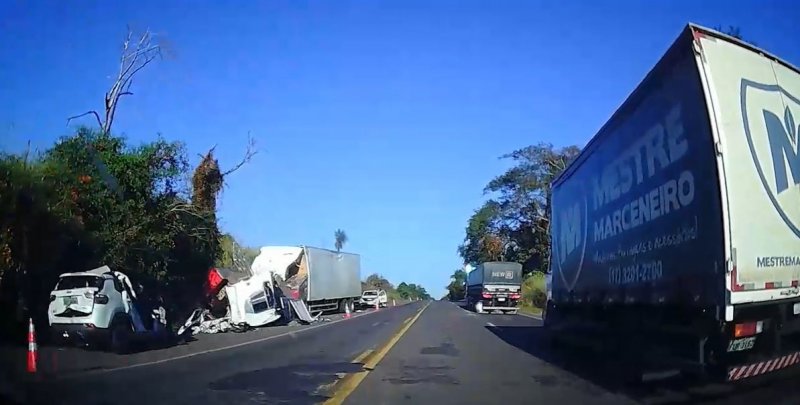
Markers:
<point>248,155</point>
<point>136,54</point>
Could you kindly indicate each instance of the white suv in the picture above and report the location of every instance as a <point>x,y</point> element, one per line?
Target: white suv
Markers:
<point>99,306</point>
<point>369,297</point>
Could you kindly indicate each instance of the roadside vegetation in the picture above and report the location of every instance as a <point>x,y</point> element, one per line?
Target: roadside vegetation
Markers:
<point>402,292</point>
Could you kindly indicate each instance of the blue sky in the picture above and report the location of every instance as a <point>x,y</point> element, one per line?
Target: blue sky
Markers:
<point>385,119</point>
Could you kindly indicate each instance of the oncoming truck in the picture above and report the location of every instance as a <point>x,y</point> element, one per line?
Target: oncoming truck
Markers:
<point>676,231</point>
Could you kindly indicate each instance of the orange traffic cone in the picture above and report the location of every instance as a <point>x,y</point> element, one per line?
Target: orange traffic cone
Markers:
<point>31,347</point>
<point>347,312</point>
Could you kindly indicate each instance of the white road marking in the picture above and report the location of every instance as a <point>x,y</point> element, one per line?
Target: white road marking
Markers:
<point>491,325</point>
<point>217,349</point>
<point>376,324</point>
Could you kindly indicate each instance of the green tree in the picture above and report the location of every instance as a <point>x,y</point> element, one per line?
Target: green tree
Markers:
<point>340,238</point>
<point>78,222</point>
<point>455,290</point>
<point>514,224</point>
<point>233,255</point>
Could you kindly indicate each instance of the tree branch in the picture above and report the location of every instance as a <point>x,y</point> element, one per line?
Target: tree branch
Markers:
<point>134,57</point>
<point>249,153</point>
<point>96,116</point>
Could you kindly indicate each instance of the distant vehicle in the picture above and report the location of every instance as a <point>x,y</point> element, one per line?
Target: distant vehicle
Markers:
<point>676,231</point>
<point>369,297</point>
<point>325,279</point>
<point>100,307</point>
<point>494,286</point>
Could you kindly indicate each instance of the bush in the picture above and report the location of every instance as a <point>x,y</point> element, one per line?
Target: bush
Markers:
<point>539,298</point>
<point>533,290</point>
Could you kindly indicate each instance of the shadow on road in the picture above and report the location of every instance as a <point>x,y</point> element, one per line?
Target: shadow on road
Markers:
<point>596,369</point>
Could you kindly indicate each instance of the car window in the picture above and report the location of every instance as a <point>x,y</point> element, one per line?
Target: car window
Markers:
<point>370,293</point>
<point>73,282</point>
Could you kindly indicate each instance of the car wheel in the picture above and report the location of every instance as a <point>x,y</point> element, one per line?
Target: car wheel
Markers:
<point>479,307</point>
<point>120,336</point>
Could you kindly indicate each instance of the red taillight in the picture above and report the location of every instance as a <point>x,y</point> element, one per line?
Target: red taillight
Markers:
<point>748,329</point>
<point>101,299</point>
<point>487,296</point>
<point>514,296</point>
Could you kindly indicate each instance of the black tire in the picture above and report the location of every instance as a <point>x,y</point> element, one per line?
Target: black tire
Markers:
<point>342,306</point>
<point>120,336</point>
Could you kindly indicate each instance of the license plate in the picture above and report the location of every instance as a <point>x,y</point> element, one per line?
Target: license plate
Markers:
<point>796,308</point>
<point>501,299</point>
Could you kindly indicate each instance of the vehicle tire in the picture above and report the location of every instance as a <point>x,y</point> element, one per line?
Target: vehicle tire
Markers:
<point>120,336</point>
<point>352,305</point>
<point>479,307</point>
<point>342,306</point>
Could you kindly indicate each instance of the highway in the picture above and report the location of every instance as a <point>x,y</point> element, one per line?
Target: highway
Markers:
<point>420,353</point>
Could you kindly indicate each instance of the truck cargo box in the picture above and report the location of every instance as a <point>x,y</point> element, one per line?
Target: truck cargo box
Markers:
<point>688,194</point>
<point>499,273</point>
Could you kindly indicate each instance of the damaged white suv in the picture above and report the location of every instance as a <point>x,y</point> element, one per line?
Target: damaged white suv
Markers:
<point>99,307</point>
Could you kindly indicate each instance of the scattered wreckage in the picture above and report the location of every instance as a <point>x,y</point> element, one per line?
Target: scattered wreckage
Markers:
<point>284,283</point>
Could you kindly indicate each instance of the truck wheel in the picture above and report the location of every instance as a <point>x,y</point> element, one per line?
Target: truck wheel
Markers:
<point>479,307</point>
<point>343,306</point>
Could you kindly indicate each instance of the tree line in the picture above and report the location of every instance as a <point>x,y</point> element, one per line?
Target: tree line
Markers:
<point>403,291</point>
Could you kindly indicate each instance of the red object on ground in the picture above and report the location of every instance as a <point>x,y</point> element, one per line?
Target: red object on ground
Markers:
<point>31,347</point>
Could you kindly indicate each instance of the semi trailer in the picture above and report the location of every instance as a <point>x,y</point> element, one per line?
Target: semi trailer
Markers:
<point>675,232</point>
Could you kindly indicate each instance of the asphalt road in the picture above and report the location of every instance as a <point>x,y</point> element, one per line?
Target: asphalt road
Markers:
<point>284,365</point>
<point>419,353</point>
<point>452,356</point>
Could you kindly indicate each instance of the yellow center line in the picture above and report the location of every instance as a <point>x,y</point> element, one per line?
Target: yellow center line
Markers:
<point>360,358</point>
<point>349,383</point>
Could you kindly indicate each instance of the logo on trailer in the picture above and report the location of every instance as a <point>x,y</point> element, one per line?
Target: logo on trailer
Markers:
<point>768,114</point>
<point>570,228</point>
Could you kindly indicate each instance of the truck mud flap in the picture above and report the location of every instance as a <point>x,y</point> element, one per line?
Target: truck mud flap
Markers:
<point>744,371</point>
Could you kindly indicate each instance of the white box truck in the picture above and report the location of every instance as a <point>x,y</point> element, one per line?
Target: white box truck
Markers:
<point>676,232</point>
<point>325,279</point>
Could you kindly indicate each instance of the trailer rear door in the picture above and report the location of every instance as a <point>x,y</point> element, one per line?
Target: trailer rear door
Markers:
<point>756,106</point>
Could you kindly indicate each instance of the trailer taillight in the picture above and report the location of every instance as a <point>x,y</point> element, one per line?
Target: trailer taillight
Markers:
<point>514,296</point>
<point>487,296</point>
<point>748,329</point>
